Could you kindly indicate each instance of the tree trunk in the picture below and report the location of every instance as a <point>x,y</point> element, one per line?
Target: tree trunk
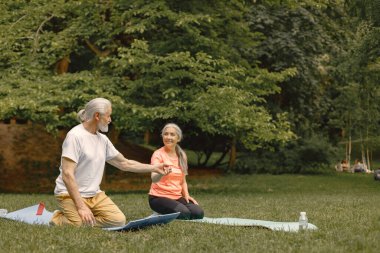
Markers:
<point>96,50</point>
<point>368,160</point>
<point>114,135</point>
<point>363,158</point>
<point>199,157</point>
<point>232,160</point>
<point>349,141</point>
<point>349,150</point>
<point>62,66</point>
<point>146,137</point>
<point>367,150</point>
<point>208,154</point>
<point>219,161</point>
<point>367,134</point>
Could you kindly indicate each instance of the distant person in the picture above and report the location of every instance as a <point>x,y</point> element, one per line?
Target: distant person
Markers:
<point>84,153</point>
<point>359,167</point>
<point>344,165</point>
<point>365,168</point>
<point>169,193</point>
<point>377,174</point>
<point>338,167</point>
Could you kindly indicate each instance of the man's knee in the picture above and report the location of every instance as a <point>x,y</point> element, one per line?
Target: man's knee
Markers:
<point>119,220</point>
<point>59,219</point>
<point>111,220</point>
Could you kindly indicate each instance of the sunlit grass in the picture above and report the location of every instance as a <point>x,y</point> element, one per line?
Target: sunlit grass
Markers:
<point>344,207</point>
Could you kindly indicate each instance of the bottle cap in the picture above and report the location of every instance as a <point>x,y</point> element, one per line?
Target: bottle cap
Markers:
<point>3,212</point>
<point>303,213</point>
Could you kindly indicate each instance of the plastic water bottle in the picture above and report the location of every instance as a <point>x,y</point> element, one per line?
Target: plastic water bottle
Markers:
<point>303,221</point>
<point>3,212</point>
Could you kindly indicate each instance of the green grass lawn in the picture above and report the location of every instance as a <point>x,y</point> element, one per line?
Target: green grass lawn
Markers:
<point>345,208</point>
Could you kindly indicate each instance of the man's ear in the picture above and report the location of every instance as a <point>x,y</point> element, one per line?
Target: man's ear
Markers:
<point>97,116</point>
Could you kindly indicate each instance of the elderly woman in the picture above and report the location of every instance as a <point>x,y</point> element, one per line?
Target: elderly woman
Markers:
<point>169,193</point>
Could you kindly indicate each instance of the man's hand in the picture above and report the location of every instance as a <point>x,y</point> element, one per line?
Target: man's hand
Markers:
<point>87,216</point>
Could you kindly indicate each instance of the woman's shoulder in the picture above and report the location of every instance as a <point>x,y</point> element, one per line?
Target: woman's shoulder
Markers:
<point>159,152</point>
<point>158,156</point>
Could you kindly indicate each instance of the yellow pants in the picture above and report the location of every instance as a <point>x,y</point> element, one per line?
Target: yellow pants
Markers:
<point>106,213</point>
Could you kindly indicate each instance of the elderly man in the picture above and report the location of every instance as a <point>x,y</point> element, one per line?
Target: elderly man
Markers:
<point>84,153</point>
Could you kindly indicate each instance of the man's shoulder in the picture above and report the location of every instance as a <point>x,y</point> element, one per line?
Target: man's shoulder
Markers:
<point>102,136</point>
<point>76,130</point>
<point>80,133</point>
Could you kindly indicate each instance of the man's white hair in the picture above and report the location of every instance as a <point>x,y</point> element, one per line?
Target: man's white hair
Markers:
<point>100,105</point>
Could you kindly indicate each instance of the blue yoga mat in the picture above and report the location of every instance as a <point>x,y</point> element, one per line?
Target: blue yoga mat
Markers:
<point>146,222</point>
<point>38,215</point>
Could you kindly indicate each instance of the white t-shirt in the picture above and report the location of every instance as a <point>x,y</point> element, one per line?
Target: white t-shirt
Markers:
<point>90,152</point>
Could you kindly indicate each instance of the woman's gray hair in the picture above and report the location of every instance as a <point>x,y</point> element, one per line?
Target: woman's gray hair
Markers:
<point>180,153</point>
<point>100,105</point>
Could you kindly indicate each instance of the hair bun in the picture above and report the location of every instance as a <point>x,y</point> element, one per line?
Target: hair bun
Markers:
<point>81,116</point>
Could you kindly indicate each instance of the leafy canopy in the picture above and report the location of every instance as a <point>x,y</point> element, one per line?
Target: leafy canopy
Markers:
<point>193,63</point>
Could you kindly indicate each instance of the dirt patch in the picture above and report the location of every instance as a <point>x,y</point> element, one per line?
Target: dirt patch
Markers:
<point>29,157</point>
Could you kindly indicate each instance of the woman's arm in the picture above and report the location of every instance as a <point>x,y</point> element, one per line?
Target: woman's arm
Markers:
<point>185,192</point>
<point>156,177</point>
<point>157,159</point>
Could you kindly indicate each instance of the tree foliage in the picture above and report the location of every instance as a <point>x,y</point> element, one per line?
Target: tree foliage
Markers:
<point>244,74</point>
<point>357,109</point>
<point>156,61</point>
<point>307,36</point>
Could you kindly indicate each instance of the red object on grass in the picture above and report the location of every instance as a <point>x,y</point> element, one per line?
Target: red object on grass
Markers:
<point>41,208</point>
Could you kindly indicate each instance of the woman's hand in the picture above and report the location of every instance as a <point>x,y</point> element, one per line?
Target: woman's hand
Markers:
<point>161,168</point>
<point>188,199</point>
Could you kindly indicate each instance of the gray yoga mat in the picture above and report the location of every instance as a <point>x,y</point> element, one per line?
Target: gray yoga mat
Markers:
<point>37,214</point>
<point>272,225</point>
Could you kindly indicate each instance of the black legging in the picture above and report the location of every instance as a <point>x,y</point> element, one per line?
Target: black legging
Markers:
<point>189,211</point>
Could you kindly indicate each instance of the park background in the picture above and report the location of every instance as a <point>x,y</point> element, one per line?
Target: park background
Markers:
<point>257,86</point>
<point>275,90</point>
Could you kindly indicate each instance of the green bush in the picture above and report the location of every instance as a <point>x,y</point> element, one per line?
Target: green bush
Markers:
<point>307,156</point>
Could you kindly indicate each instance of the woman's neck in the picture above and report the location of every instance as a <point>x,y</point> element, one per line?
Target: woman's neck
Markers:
<point>170,151</point>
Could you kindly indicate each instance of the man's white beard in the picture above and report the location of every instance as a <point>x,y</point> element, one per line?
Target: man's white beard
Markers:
<point>103,128</point>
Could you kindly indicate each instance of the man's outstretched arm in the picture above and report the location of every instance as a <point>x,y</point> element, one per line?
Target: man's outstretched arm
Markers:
<point>122,163</point>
